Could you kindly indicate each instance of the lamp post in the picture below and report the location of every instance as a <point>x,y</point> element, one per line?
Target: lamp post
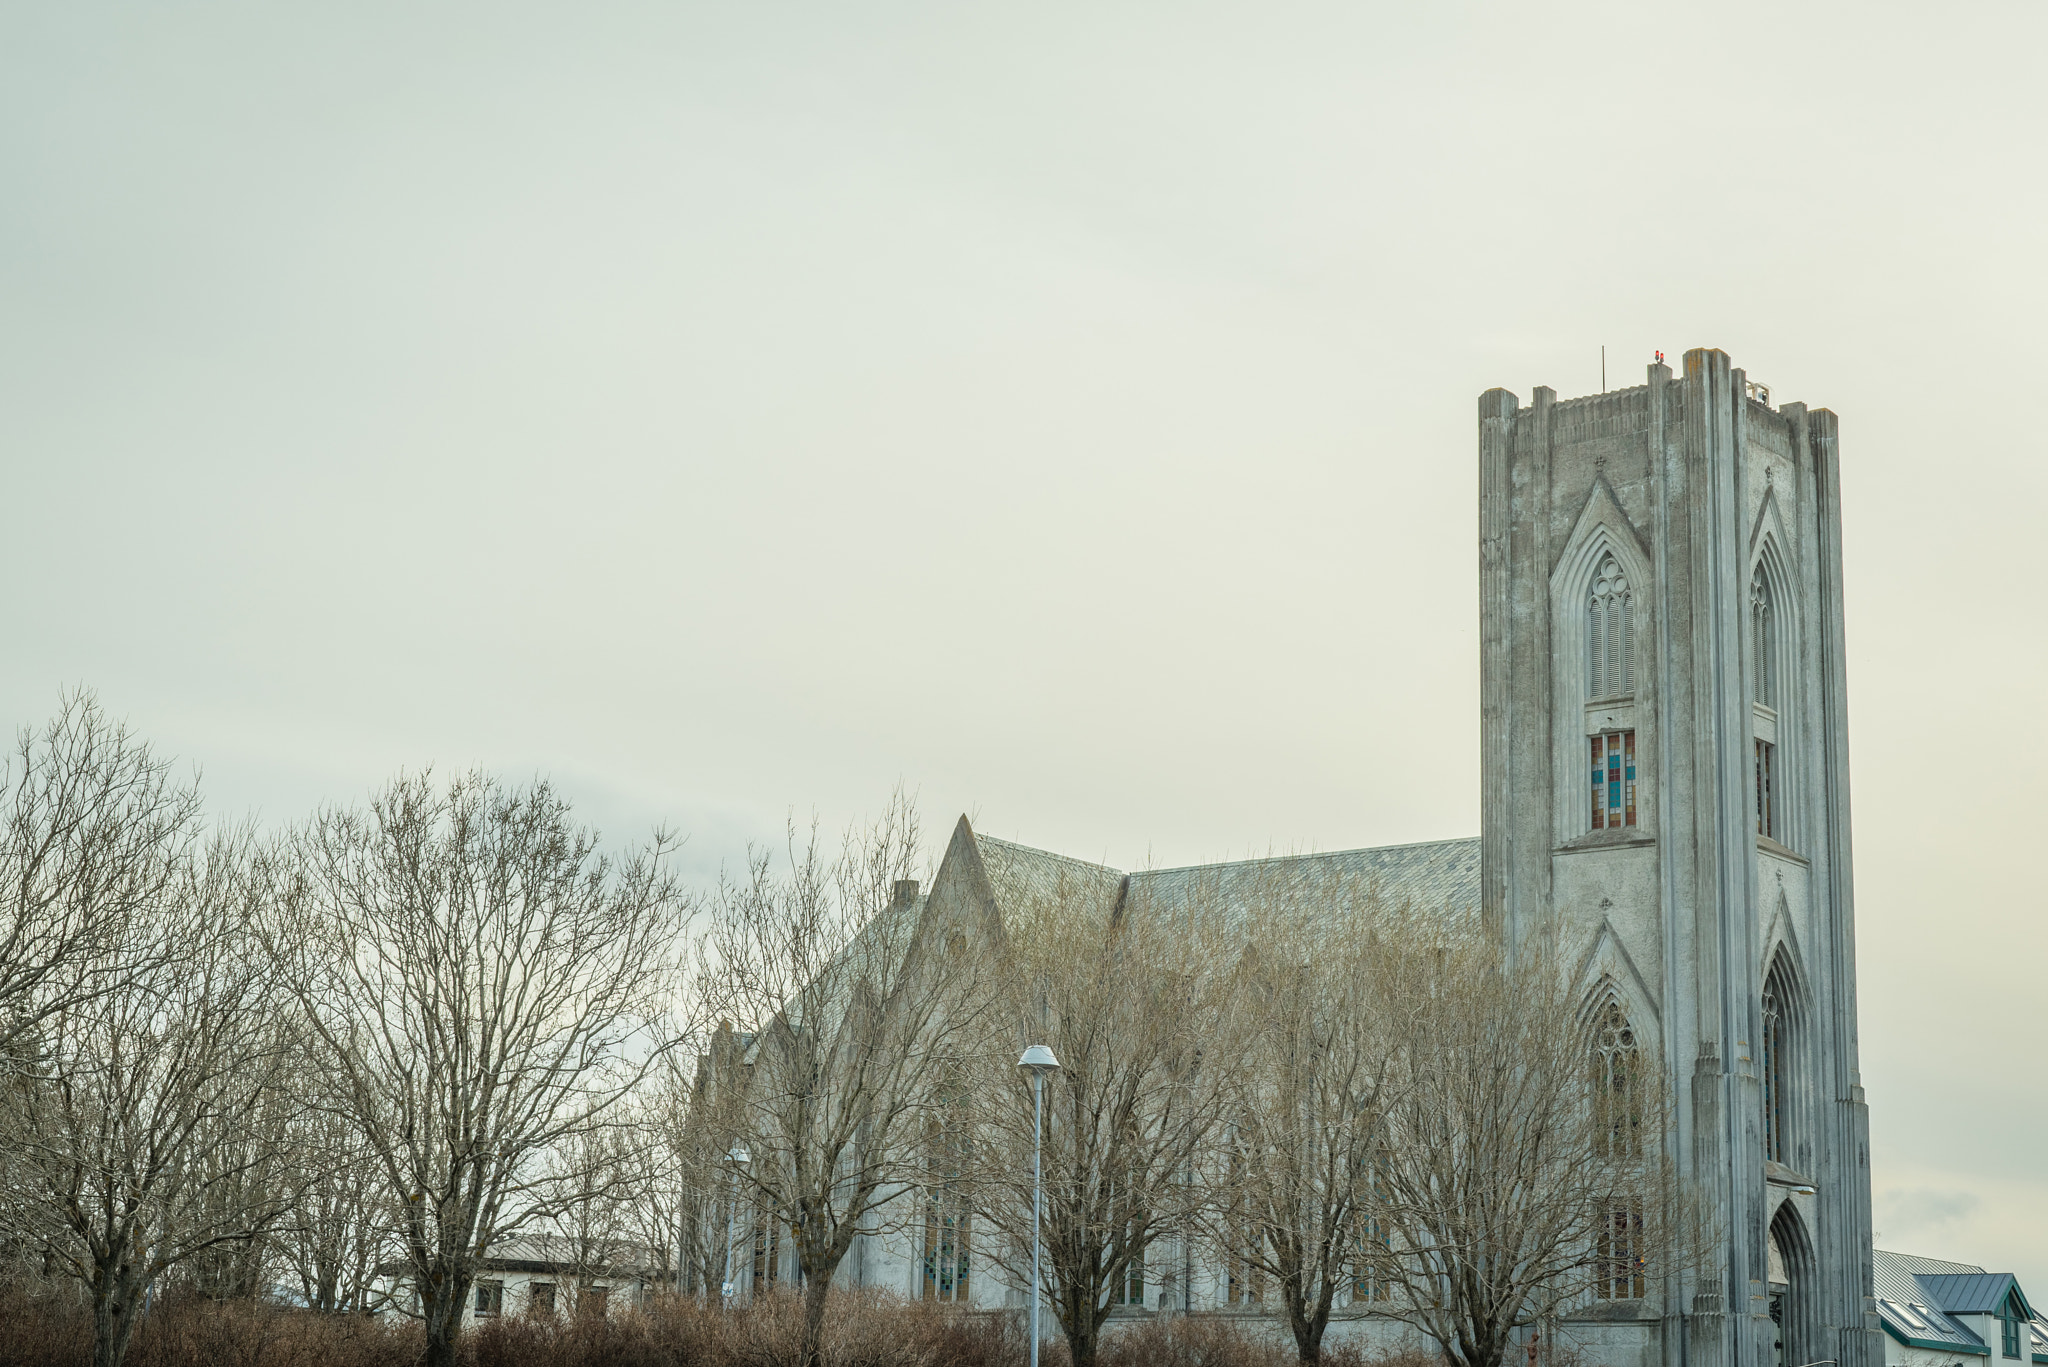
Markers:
<point>1039,1061</point>
<point>736,1157</point>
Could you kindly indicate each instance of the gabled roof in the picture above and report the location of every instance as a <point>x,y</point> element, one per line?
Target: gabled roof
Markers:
<point>1438,876</point>
<point>1918,1299</point>
<point>1432,876</point>
<point>1974,1293</point>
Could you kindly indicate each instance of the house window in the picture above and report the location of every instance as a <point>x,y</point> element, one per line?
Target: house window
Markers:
<point>591,1301</point>
<point>490,1299</point>
<point>2009,1327</point>
<point>1614,780</point>
<point>540,1298</point>
<point>1610,662</point>
<point>1619,1270</point>
<point>1617,1067</point>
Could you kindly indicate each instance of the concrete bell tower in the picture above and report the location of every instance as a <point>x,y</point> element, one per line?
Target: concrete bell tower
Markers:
<point>1666,805</point>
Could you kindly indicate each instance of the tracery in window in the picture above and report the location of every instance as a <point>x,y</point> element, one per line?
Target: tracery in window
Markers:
<point>1617,1084</point>
<point>1610,662</point>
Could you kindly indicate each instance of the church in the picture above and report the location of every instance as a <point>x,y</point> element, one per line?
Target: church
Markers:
<point>1665,810</point>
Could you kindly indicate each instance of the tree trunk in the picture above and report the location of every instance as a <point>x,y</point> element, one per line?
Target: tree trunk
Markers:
<point>1309,1322</point>
<point>442,1296</point>
<point>816,1289</point>
<point>116,1291</point>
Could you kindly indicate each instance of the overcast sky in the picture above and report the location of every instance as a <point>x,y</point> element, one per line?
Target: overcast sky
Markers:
<point>1067,410</point>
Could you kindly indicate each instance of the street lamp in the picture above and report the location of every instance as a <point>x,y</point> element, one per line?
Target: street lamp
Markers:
<point>1039,1060</point>
<point>737,1157</point>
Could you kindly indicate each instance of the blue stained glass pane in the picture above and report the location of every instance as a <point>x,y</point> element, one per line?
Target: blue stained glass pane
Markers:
<point>1631,773</point>
<point>1614,794</point>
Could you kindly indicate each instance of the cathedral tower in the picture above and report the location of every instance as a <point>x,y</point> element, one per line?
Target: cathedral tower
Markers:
<point>1666,807</point>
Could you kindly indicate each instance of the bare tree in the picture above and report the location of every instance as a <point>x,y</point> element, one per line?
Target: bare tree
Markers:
<point>342,1220</point>
<point>1524,1171</point>
<point>592,1228</point>
<point>482,984</point>
<point>119,1128</point>
<point>858,1005</point>
<point>692,1188</point>
<point>94,834</point>
<point>1293,1195</point>
<point>1138,996</point>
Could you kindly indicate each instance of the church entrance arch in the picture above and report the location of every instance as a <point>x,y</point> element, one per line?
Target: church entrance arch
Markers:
<point>1791,1285</point>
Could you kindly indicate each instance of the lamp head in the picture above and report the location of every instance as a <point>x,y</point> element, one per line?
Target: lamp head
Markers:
<point>1039,1060</point>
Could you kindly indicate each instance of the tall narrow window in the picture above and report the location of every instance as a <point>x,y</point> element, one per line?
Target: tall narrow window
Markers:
<point>1130,1288</point>
<point>1610,662</point>
<point>1617,1085</point>
<point>1244,1238</point>
<point>948,1224</point>
<point>1763,642</point>
<point>1766,788</point>
<point>1370,1256</point>
<point>1614,780</point>
<point>767,1252</point>
<point>1620,1272</point>
<point>1774,1061</point>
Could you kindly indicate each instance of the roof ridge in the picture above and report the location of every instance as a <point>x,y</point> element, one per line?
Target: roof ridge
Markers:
<point>1048,854</point>
<point>1311,854</point>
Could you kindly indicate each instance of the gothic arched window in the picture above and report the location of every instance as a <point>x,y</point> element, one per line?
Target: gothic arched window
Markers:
<point>1617,1084</point>
<point>1610,663</point>
<point>1778,1063</point>
<point>1764,648</point>
<point>1764,687</point>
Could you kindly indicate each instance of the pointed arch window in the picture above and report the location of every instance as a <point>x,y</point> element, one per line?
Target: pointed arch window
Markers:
<point>948,1217</point>
<point>1764,689</point>
<point>1610,644</point>
<point>1763,640</point>
<point>1778,1060</point>
<point>1617,1084</point>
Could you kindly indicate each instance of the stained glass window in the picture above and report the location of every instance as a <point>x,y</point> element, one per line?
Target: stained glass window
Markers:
<point>1614,780</point>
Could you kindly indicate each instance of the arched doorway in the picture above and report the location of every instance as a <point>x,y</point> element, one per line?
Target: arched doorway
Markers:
<point>1790,1282</point>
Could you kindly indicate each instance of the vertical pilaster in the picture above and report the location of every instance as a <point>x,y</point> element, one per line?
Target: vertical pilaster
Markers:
<point>1529,604</point>
<point>1723,840</point>
<point>1497,413</point>
<point>1847,1235</point>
